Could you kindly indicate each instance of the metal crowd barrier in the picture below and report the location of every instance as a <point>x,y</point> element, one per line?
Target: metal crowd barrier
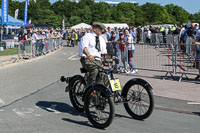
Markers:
<point>149,57</point>
<point>159,38</point>
<point>187,59</point>
<point>26,49</point>
<point>172,58</point>
<point>8,51</point>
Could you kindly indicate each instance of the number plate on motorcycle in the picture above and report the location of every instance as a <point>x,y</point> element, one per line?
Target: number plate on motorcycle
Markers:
<point>115,85</point>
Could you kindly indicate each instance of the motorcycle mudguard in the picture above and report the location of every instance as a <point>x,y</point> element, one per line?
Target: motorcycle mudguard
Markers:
<point>138,80</point>
<point>97,85</point>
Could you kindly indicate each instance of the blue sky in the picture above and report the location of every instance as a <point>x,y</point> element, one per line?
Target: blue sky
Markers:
<point>191,6</point>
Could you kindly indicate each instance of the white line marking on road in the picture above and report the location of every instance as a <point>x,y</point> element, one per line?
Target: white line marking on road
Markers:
<point>75,59</point>
<point>194,103</point>
<point>2,102</point>
<point>37,107</point>
<point>51,108</point>
<point>1,110</point>
<point>71,57</point>
<point>38,115</point>
<point>19,113</point>
<point>23,112</point>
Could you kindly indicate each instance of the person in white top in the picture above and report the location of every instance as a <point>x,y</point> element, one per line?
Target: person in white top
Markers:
<point>91,47</point>
<point>130,51</point>
<point>35,39</point>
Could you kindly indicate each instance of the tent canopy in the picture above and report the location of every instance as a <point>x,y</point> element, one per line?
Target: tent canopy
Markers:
<point>81,25</point>
<point>118,25</point>
<point>13,21</point>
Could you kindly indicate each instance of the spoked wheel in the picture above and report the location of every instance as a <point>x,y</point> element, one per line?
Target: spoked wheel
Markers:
<point>139,101</point>
<point>76,93</point>
<point>99,107</point>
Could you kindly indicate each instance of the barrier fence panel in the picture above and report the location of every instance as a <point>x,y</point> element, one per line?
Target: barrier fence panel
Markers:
<point>51,48</point>
<point>8,51</point>
<point>187,62</point>
<point>60,42</point>
<point>12,50</point>
<point>25,49</point>
<point>149,57</point>
<point>166,53</point>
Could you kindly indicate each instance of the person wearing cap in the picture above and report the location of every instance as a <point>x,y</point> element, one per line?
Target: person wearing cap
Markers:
<point>113,41</point>
<point>108,33</point>
<point>42,43</point>
<point>91,47</point>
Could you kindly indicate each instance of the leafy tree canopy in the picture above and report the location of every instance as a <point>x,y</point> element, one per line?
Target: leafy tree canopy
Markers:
<point>88,11</point>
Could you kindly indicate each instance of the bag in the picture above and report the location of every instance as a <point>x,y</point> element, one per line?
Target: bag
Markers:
<point>107,59</point>
<point>197,64</point>
<point>110,49</point>
<point>183,35</point>
<point>22,41</point>
<point>130,54</point>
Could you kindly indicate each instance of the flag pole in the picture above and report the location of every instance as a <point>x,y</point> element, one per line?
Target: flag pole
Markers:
<point>1,32</point>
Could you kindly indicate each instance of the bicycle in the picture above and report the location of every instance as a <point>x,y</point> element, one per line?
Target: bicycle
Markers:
<point>102,95</point>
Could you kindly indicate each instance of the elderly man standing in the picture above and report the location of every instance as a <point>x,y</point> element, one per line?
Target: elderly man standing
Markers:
<point>92,45</point>
<point>113,41</point>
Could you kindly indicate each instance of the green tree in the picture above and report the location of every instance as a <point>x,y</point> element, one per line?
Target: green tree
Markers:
<point>88,11</point>
<point>74,20</point>
<point>196,17</point>
<point>101,12</point>
<point>178,14</point>
<point>155,14</point>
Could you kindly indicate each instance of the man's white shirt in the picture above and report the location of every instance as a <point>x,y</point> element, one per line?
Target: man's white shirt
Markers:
<point>89,41</point>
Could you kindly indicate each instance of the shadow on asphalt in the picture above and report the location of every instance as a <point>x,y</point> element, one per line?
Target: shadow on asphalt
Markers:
<point>177,78</point>
<point>60,107</point>
<point>196,113</point>
<point>65,108</point>
<point>83,123</point>
<point>171,78</point>
<point>68,46</point>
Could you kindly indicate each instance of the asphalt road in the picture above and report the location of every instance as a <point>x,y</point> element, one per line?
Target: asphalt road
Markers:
<point>32,99</point>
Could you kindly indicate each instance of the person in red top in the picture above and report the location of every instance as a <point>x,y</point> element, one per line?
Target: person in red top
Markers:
<point>122,46</point>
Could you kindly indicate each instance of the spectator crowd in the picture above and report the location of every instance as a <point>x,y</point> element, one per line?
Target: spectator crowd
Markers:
<point>42,41</point>
<point>120,41</point>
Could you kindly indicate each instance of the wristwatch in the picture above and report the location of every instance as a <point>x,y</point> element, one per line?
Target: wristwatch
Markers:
<point>88,55</point>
